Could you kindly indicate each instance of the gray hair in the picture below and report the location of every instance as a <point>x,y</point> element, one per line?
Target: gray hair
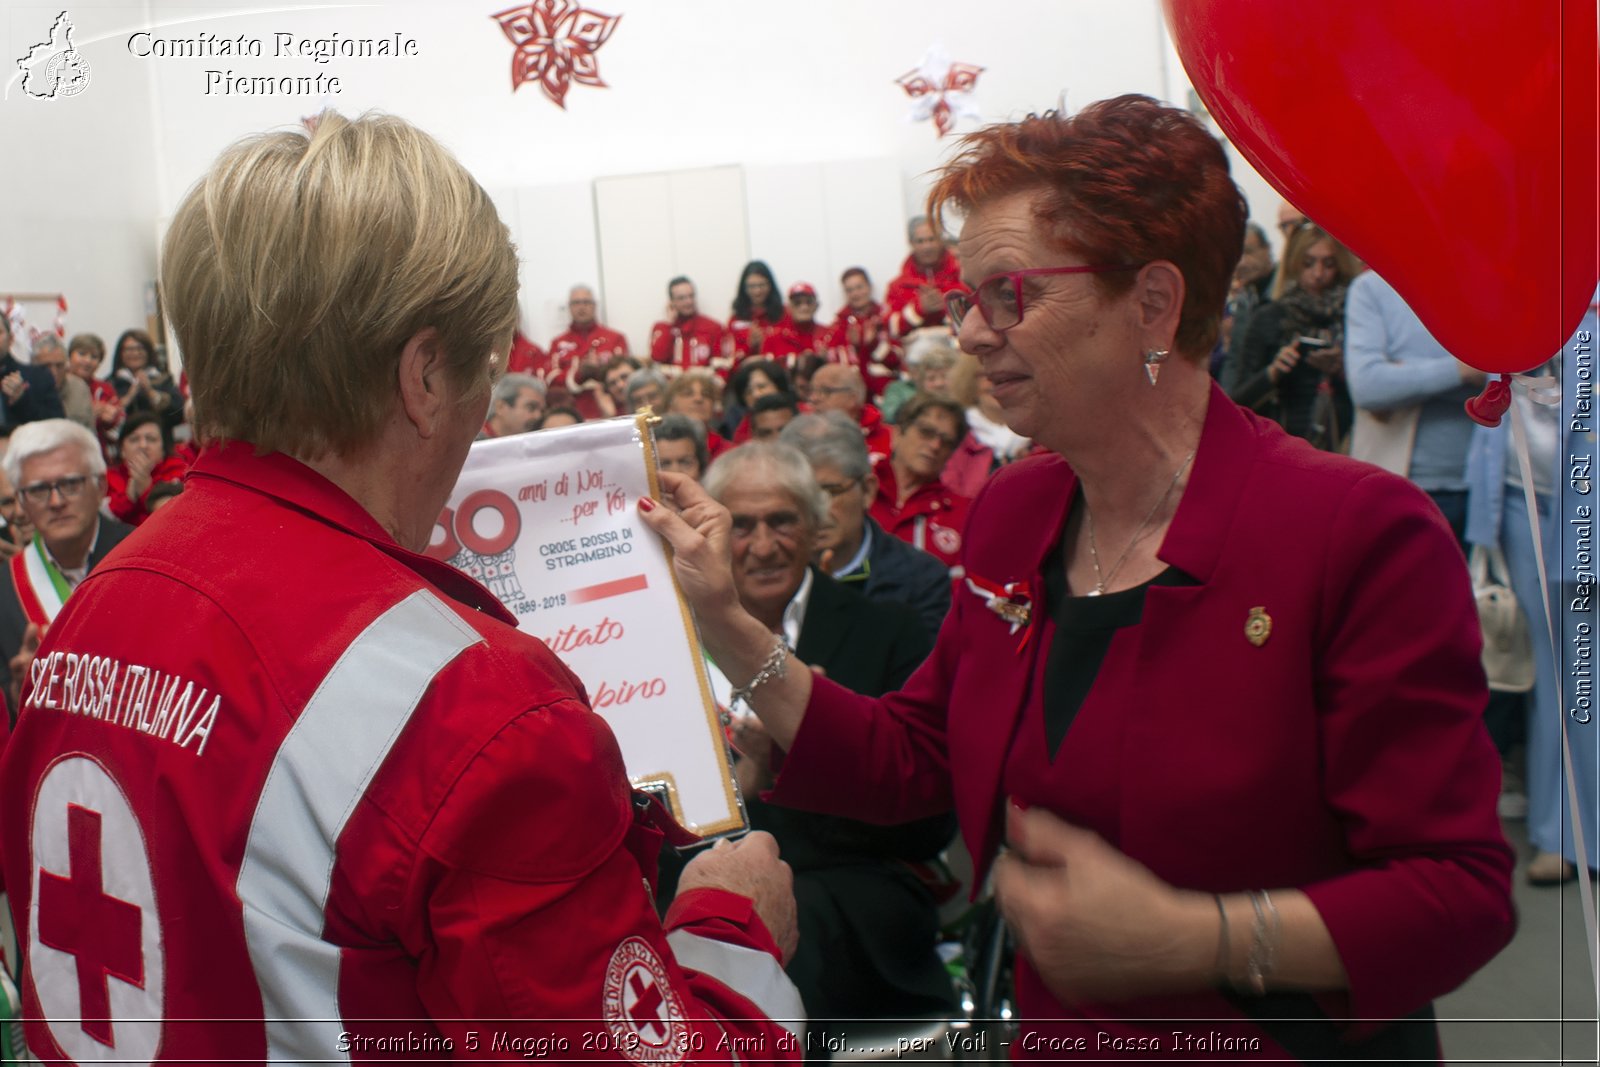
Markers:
<point>919,220</point>
<point>829,440</point>
<point>46,435</point>
<point>931,343</point>
<point>510,386</point>
<point>640,379</point>
<point>776,465</point>
<point>48,341</point>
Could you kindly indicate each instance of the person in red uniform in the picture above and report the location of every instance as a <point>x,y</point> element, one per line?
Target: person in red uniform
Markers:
<point>798,333</point>
<point>335,802</point>
<point>836,387</point>
<point>912,502</point>
<point>859,335</point>
<point>916,295</point>
<point>146,460</point>
<point>757,310</point>
<point>1209,703</point>
<point>528,358</point>
<point>690,339</point>
<point>586,344</point>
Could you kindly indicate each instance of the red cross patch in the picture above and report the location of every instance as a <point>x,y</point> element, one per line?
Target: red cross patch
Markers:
<point>641,1008</point>
<point>94,939</point>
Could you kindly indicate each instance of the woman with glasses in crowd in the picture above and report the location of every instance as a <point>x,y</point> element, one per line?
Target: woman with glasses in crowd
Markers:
<point>1217,693</point>
<point>139,375</point>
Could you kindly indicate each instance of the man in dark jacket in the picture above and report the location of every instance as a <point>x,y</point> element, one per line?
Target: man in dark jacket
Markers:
<point>60,478</point>
<point>868,924</point>
<point>852,547</point>
<point>27,393</point>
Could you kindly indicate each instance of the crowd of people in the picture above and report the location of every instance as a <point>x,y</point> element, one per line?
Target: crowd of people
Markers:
<point>1058,546</point>
<point>1330,351</point>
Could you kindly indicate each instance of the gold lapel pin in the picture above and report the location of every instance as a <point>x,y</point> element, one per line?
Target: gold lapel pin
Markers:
<point>1258,627</point>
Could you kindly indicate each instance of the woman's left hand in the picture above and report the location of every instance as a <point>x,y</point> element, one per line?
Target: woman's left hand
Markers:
<point>1096,925</point>
<point>754,769</point>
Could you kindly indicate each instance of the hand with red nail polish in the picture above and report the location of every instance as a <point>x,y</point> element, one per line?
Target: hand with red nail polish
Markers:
<point>696,527</point>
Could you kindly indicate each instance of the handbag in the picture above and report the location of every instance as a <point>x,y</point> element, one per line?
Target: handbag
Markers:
<point>1385,438</point>
<point>1507,651</point>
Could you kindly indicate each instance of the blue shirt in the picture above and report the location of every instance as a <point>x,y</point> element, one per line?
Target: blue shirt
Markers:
<point>1392,361</point>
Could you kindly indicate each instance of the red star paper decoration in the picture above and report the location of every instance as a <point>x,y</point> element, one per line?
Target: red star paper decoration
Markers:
<point>556,42</point>
<point>938,84</point>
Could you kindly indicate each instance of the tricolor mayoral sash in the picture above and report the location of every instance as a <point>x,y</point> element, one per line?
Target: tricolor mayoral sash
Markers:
<point>41,587</point>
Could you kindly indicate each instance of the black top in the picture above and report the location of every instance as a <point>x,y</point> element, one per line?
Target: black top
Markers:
<point>1085,626</point>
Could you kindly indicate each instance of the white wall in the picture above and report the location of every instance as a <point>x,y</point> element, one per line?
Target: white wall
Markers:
<point>79,195</point>
<point>774,89</point>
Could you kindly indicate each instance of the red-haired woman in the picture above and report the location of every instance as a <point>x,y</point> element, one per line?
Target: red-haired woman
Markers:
<point>1217,691</point>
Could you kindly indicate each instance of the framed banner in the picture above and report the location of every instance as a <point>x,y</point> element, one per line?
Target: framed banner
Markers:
<point>547,521</point>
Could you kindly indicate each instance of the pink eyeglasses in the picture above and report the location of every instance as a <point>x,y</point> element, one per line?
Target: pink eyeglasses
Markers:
<point>999,297</point>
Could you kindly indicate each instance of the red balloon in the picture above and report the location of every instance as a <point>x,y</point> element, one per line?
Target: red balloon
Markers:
<point>1449,143</point>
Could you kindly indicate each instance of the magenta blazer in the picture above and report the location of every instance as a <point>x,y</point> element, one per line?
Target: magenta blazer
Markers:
<point>1344,754</point>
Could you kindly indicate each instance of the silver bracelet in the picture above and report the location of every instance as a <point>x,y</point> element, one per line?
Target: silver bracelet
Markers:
<point>1264,939</point>
<point>777,666</point>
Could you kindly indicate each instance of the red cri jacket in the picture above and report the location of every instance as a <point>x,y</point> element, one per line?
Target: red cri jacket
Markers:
<point>903,294</point>
<point>861,339</point>
<point>528,358</point>
<point>788,341</point>
<point>574,347</point>
<point>171,469</point>
<point>739,342</point>
<point>689,343</point>
<point>876,432</point>
<point>332,802</point>
<point>933,519</point>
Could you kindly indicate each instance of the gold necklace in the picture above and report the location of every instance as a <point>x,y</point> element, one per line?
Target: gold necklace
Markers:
<point>1101,581</point>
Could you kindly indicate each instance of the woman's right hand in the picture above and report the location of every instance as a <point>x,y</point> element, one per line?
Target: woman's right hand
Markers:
<point>696,527</point>
<point>140,467</point>
<point>1286,360</point>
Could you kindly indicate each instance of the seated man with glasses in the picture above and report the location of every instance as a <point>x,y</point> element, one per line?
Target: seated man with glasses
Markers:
<point>60,477</point>
<point>868,923</point>
<point>851,547</point>
<point>837,387</point>
<point>912,503</point>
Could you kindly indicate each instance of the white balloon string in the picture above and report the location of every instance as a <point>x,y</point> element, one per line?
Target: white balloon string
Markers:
<point>1519,437</point>
<point>1541,390</point>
